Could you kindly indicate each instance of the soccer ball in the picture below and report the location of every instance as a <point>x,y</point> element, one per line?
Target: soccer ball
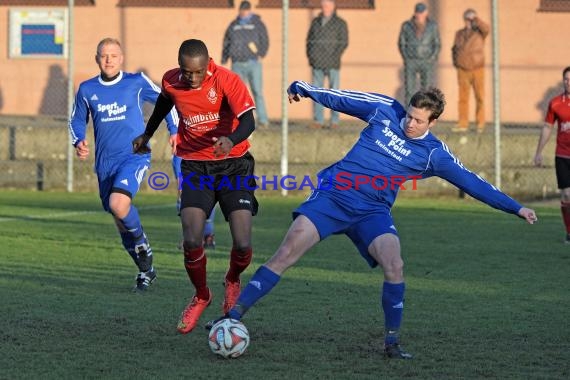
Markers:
<point>228,338</point>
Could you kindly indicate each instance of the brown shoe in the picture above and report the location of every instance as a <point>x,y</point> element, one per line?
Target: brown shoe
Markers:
<point>316,125</point>
<point>334,126</point>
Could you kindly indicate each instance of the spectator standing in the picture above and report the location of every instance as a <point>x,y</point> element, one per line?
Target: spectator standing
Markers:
<point>469,59</point>
<point>246,43</point>
<point>419,44</point>
<point>326,41</point>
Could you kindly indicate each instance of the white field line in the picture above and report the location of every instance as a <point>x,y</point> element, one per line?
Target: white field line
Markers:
<point>55,215</point>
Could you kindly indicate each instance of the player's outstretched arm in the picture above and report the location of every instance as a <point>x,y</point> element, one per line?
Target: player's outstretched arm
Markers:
<point>362,105</point>
<point>528,214</point>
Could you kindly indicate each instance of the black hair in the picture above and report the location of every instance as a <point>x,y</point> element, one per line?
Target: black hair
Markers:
<point>431,99</point>
<point>565,71</point>
<point>193,48</point>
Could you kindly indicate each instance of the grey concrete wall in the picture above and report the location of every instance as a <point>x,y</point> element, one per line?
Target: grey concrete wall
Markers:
<point>44,140</point>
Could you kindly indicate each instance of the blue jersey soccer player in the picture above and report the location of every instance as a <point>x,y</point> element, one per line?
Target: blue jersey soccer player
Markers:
<point>397,143</point>
<point>114,100</point>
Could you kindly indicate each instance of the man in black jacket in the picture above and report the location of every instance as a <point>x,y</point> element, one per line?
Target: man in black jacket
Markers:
<point>246,42</point>
<point>419,45</point>
<point>326,41</point>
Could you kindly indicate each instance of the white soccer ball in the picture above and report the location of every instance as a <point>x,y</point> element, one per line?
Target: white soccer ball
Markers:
<point>228,338</point>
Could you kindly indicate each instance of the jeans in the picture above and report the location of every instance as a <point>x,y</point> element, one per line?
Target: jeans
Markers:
<point>251,73</point>
<point>318,80</point>
<point>413,67</point>
<point>467,79</point>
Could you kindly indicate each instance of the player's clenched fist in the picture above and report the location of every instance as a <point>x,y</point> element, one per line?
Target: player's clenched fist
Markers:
<point>82,150</point>
<point>222,146</point>
<point>140,144</point>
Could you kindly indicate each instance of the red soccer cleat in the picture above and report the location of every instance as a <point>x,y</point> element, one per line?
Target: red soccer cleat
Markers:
<point>192,313</point>
<point>231,296</point>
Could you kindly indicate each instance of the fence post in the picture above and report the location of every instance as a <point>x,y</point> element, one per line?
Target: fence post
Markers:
<point>12,144</point>
<point>40,176</point>
<point>70,91</point>
<point>284,97</point>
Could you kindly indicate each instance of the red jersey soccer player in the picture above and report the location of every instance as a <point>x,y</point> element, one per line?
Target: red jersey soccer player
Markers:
<point>559,111</point>
<point>216,118</point>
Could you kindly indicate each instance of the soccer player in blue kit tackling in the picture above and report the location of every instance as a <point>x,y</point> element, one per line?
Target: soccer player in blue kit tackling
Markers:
<point>114,99</point>
<point>397,143</point>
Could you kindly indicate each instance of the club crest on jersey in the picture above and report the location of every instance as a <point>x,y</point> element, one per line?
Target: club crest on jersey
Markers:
<point>212,96</point>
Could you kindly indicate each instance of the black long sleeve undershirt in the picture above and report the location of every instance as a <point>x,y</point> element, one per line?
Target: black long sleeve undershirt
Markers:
<point>244,129</point>
<point>161,109</point>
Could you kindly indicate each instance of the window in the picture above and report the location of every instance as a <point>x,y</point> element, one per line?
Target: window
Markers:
<point>554,6</point>
<point>345,4</point>
<point>177,3</point>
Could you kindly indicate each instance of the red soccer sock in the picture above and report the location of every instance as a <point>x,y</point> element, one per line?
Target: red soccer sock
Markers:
<point>195,264</point>
<point>239,261</point>
<point>565,208</point>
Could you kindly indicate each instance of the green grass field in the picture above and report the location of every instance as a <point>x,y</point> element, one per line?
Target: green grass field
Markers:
<point>488,296</point>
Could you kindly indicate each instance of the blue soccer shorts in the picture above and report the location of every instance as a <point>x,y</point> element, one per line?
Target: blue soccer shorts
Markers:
<point>124,177</point>
<point>333,215</point>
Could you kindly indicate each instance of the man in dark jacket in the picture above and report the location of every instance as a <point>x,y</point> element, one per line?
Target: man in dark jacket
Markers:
<point>326,41</point>
<point>246,43</point>
<point>419,45</point>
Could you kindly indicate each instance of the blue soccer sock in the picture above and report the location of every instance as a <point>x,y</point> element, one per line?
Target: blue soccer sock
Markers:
<point>393,306</point>
<point>209,226</point>
<point>132,223</point>
<point>129,245</point>
<point>263,280</point>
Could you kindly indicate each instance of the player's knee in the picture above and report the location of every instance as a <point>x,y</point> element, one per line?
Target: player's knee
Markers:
<point>394,269</point>
<point>242,248</point>
<point>119,208</point>
<point>191,243</point>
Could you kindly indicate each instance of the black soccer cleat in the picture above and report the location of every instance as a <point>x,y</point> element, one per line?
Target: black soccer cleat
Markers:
<point>394,351</point>
<point>208,326</point>
<point>144,253</point>
<point>144,279</point>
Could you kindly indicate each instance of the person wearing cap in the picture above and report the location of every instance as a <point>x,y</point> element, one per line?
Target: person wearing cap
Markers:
<point>419,44</point>
<point>469,59</point>
<point>246,43</point>
<point>327,40</point>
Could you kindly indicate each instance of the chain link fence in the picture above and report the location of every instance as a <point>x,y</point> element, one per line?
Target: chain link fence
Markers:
<point>430,47</point>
